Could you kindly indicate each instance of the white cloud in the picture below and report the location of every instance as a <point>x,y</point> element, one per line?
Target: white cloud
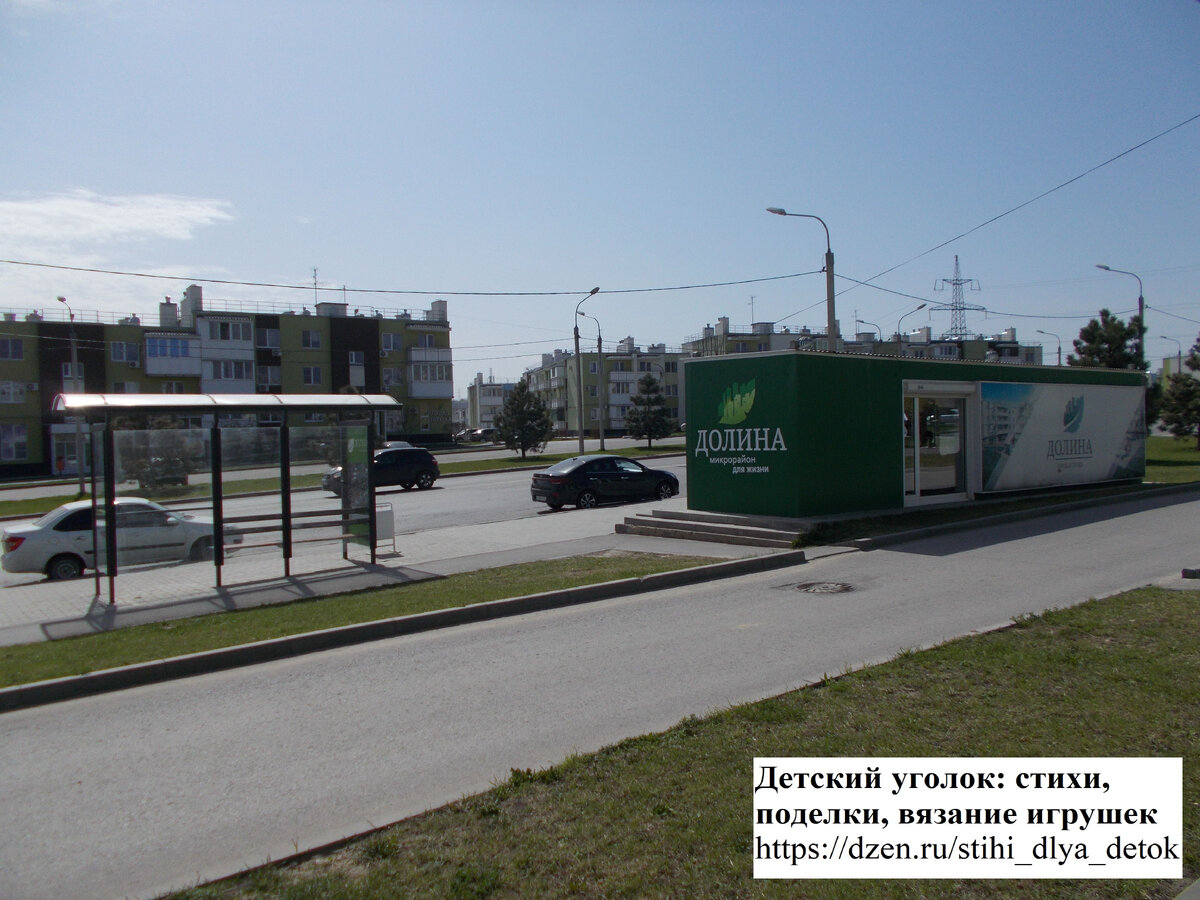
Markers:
<point>84,217</point>
<point>82,229</point>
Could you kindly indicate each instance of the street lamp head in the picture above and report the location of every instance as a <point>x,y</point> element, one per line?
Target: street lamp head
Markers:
<point>1104,267</point>
<point>775,210</point>
<point>922,306</point>
<point>593,291</point>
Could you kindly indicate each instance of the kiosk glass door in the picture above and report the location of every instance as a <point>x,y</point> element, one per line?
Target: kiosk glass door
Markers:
<point>935,462</point>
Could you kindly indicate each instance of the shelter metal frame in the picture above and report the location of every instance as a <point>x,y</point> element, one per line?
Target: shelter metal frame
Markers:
<point>99,410</point>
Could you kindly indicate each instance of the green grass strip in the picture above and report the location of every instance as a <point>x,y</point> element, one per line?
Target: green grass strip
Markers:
<point>670,815</point>
<point>25,663</point>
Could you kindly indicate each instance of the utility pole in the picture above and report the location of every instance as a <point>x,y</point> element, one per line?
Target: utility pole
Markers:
<point>958,309</point>
<point>75,390</point>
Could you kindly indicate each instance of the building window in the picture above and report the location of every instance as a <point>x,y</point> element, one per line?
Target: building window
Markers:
<point>75,379</point>
<point>621,387</point>
<point>356,358</point>
<point>312,375</point>
<point>739,347</point>
<point>231,370</point>
<point>12,392</point>
<point>670,390</point>
<point>229,331</point>
<point>14,442</point>
<point>310,339</point>
<point>430,372</point>
<point>267,338</point>
<point>167,348</point>
<point>591,390</point>
<point>126,352</point>
<point>391,340</point>
<point>592,368</point>
<point>426,340</point>
<point>621,365</point>
<point>12,348</point>
<point>314,418</point>
<point>269,379</point>
<point>273,419</point>
<point>172,387</point>
<point>671,366</point>
<point>125,387</point>
<point>391,376</point>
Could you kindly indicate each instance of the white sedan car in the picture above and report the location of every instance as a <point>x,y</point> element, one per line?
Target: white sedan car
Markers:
<point>61,543</point>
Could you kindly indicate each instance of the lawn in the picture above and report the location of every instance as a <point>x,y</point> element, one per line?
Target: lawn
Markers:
<point>670,815</point>
<point>25,663</point>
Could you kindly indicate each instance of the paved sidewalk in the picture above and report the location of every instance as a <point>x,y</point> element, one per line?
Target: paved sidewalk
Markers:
<point>40,610</point>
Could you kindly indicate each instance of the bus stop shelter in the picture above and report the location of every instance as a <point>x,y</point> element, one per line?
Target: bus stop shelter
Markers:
<point>162,438</point>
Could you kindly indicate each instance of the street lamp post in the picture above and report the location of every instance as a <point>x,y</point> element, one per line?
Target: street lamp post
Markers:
<point>75,390</point>
<point>831,319</point>
<point>873,325</point>
<point>601,395</point>
<point>1141,314</point>
<point>1057,338</point>
<point>905,316</point>
<point>1179,356</point>
<point>579,367</point>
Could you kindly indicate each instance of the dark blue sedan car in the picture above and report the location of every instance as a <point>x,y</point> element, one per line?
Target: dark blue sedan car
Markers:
<point>585,481</point>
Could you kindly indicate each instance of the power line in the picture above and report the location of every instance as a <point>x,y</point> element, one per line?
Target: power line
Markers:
<point>349,290</point>
<point>1040,196</point>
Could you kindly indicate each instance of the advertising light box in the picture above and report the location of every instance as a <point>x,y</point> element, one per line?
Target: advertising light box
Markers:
<point>1040,435</point>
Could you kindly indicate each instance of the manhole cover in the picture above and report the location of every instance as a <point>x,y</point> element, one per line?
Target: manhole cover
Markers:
<point>824,587</point>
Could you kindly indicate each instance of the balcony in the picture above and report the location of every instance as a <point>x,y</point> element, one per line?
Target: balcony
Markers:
<point>430,355</point>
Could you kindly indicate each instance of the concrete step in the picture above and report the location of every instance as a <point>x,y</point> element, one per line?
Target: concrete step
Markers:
<point>777,523</point>
<point>716,532</point>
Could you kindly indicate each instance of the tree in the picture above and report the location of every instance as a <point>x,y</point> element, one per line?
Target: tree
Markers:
<point>647,418</point>
<point>524,422</point>
<point>1108,343</point>
<point>1181,402</point>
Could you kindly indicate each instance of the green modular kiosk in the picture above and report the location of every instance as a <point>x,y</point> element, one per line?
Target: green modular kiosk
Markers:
<point>801,433</point>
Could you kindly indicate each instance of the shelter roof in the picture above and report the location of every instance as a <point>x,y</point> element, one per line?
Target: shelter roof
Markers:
<point>194,403</point>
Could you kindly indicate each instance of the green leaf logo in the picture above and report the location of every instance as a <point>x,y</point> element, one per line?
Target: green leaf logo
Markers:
<point>736,404</point>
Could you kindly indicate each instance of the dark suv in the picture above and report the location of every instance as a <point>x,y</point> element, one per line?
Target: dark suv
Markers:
<point>408,467</point>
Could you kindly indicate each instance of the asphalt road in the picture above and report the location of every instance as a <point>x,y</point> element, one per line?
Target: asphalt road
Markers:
<point>136,792</point>
<point>469,500</point>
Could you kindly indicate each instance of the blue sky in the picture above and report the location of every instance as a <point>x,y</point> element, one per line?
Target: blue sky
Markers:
<point>450,148</point>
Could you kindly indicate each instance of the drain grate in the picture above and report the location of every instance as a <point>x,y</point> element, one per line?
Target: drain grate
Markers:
<point>824,587</point>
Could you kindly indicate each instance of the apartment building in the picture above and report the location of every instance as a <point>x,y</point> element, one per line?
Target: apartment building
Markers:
<point>610,381</point>
<point>226,347</point>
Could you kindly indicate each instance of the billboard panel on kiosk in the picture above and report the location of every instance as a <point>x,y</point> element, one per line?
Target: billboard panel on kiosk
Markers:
<point>1042,435</point>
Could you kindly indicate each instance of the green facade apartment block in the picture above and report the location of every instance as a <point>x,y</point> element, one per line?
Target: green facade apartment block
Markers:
<point>797,434</point>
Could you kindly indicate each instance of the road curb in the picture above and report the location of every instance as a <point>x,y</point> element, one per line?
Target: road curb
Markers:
<point>899,537</point>
<point>55,690</point>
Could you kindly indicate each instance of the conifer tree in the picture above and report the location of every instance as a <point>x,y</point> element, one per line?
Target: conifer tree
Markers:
<point>647,418</point>
<point>524,423</point>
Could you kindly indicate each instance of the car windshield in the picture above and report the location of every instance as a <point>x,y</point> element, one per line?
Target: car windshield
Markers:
<point>51,517</point>
<point>567,466</point>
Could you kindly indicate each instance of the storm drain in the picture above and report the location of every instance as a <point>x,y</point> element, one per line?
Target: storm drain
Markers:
<point>824,587</point>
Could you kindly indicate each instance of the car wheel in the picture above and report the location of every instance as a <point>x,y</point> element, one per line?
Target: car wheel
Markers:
<point>586,500</point>
<point>425,481</point>
<point>202,549</point>
<point>63,567</point>
<point>407,485</point>
<point>664,491</point>
<point>556,506</point>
